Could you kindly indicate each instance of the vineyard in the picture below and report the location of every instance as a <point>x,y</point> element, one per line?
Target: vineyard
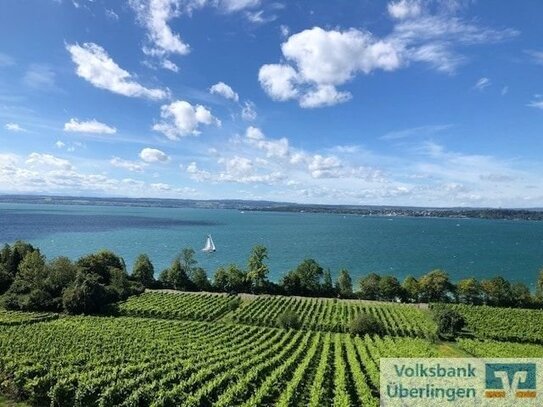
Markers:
<point>196,307</point>
<point>8,318</point>
<point>335,315</point>
<point>504,324</point>
<point>315,313</point>
<point>216,350</point>
<point>127,361</point>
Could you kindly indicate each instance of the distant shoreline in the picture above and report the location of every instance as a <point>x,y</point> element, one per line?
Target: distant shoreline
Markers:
<point>532,214</point>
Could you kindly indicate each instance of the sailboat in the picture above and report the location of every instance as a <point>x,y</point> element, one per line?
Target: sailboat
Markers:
<point>210,246</point>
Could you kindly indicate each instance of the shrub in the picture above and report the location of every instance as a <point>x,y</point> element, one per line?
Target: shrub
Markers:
<point>449,322</point>
<point>365,324</point>
<point>289,320</point>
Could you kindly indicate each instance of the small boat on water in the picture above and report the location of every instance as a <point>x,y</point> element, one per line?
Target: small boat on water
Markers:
<point>209,246</point>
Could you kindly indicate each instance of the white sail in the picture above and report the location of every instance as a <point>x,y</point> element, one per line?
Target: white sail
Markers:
<point>209,246</point>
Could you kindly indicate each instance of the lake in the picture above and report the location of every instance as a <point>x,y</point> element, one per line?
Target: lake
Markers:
<point>399,246</point>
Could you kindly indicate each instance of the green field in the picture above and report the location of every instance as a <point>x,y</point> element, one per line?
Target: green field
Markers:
<point>215,350</point>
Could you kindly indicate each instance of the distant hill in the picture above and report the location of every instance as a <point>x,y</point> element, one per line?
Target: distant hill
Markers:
<point>361,210</point>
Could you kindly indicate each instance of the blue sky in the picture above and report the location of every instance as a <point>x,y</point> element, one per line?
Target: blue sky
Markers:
<point>407,102</point>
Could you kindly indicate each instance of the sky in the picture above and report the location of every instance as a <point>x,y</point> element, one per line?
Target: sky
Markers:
<point>406,102</point>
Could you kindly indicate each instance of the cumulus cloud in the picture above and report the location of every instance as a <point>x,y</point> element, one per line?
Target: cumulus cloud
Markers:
<point>90,126</point>
<point>236,5</point>
<point>152,155</point>
<point>43,173</point>
<point>60,144</point>
<point>404,9</point>
<point>180,119</point>
<point>134,166</point>
<point>154,16</point>
<point>13,127</point>
<point>222,89</point>
<point>48,160</point>
<point>317,61</point>
<point>95,65</point>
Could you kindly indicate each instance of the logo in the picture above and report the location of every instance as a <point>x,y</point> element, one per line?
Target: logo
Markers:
<point>510,380</point>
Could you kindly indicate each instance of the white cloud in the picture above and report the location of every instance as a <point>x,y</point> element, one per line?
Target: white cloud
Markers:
<point>402,9</point>
<point>60,144</point>
<point>482,83</point>
<point>90,126</point>
<point>154,15</point>
<point>428,130</point>
<point>169,65</point>
<point>222,89</point>
<point>112,15</point>
<point>317,61</point>
<point>43,173</point>
<point>40,77</point>
<point>13,127</point>
<point>537,103</point>
<point>134,166</point>
<point>48,160</point>
<point>152,155</point>
<point>236,5</point>
<point>279,81</point>
<point>537,56</point>
<point>284,30</point>
<point>95,65</point>
<point>505,90</point>
<point>181,119</point>
<point>248,111</point>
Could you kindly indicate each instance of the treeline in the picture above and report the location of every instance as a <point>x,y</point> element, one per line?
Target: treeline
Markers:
<point>28,282</point>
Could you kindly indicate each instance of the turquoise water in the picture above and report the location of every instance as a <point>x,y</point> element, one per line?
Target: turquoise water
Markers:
<point>398,246</point>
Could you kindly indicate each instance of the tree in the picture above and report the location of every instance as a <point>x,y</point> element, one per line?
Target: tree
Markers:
<point>539,286</point>
<point>305,279</point>
<point>369,286</point>
<point>411,289</point>
<point>188,262</point>
<point>469,291</point>
<point>289,320</point>
<point>230,279</point>
<point>62,272</point>
<point>344,284</point>
<point>327,285</point>
<point>449,322</point>
<point>32,269</point>
<point>365,324</point>
<point>389,288</point>
<point>5,278</point>
<point>435,286</point>
<point>521,295</point>
<point>257,270</point>
<point>100,263</point>
<point>175,276</point>
<point>200,280</point>
<point>497,291</point>
<point>143,271</point>
<point>85,296</point>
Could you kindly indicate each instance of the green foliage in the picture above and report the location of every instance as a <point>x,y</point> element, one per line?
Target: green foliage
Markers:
<point>344,284</point>
<point>365,324</point>
<point>143,271</point>
<point>200,280</point>
<point>304,280</point>
<point>497,291</point>
<point>176,277</point>
<point>389,288</point>
<point>327,285</point>
<point>449,322</point>
<point>411,289</point>
<point>505,324</point>
<point>100,263</point>
<point>289,320</point>
<point>469,291</point>
<point>257,270</point>
<point>369,287</point>
<point>435,286</point>
<point>230,279</point>
<point>85,296</point>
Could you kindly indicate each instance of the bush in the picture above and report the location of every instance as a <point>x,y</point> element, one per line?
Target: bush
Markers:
<point>289,320</point>
<point>365,324</point>
<point>449,323</point>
